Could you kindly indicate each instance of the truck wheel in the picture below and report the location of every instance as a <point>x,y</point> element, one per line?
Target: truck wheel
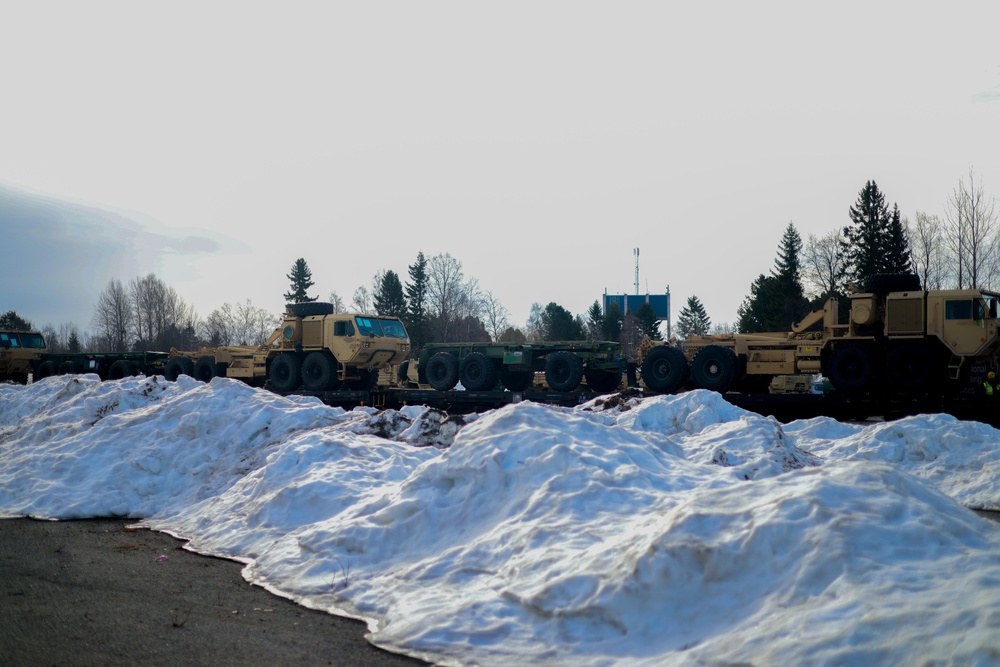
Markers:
<point>46,369</point>
<point>714,368</point>
<point>178,366</point>
<point>850,367</point>
<point>477,372</point>
<point>121,369</point>
<point>563,371</point>
<point>205,369</point>
<point>517,380</point>
<point>442,371</point>
<point>319,371</point>
<point>285,372</point>
<point>908,367</point>
<point>69,368</point>
<point>665,370</point>
<point>602,381</point>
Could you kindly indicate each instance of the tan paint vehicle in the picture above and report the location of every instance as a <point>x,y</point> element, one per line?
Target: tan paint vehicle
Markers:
<point>313,349</point>
<point>898,340</point>
<point>19,350</point>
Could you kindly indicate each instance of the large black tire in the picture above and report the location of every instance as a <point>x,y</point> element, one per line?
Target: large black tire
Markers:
<point>178,366</point>
<point>319,372</point>
<point>908,368</point>
<point>665,370</point>
<point>892,282</point>
<point>69,368</point>
<point>714,368</point>
<point>601,381</point>
<point>477,372</point>
<point>207,368</point>
<point>850,367</point>
<point>309,309</point>
<point>442,371</point>
<point>517,380</point>
<point>121,369</point>
<point>563,371</point>
<point>285,372</point>
<point>45,369</point>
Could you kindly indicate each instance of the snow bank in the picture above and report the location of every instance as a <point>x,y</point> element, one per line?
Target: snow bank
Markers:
<point>667,530</point>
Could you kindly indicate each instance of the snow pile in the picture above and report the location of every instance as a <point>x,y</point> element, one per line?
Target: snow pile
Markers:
<point>666,530</point>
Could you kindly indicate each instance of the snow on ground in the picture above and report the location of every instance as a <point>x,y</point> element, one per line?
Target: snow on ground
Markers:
<point>670,530</point>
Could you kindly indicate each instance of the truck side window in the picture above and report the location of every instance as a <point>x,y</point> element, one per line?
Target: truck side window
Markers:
<point>958,310</point>
<point>343,329</point>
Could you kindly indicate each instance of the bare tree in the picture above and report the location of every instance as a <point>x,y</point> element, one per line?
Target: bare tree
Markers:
<point>362,302</point>
<point>822,265</point>
<point>113,317</point>
<point>338,302</point>
<point>927,251</point>
<point>219,326</point>
<point>253,325</point>
<point>970,234</point>
<point>495,315</point>
<point>450,298</point>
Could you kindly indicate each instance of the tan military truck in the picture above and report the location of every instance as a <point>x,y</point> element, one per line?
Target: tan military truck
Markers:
<point>19,353</point>
<point>313,349</point>
<point>899,340</point>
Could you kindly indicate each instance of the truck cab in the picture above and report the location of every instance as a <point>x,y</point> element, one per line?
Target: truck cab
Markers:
<point>19,350</point>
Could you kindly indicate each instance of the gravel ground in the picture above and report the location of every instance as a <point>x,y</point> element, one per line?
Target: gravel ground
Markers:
<point>92,593</point>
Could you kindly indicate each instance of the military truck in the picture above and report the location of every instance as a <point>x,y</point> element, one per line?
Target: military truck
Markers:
<point>899,339</point>
<point>512,366</point>
<point>19,351</point>
<point>313,349</point>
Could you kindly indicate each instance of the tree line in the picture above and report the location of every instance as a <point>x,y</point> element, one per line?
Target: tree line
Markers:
<point>438,302</point>
<point>962,250</point>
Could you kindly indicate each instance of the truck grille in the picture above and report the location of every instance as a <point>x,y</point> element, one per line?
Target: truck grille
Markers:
<point>905,316</point>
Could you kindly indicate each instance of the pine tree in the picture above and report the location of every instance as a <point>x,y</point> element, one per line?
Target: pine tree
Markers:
<point>612,326</point>
<point>648,323</point>
<point>301,278</point>
<point>595,321</point>
<point>11,320</point>
<point>778,300</point>
<point>875,241</point>
<point>416,302</point>
<point>693,320</point>
<point>389,299</point>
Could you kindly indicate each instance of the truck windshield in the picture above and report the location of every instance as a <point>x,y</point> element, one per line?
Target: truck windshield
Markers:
<point>33,340</point>
<point>368,326</point>
<point>393,328</point>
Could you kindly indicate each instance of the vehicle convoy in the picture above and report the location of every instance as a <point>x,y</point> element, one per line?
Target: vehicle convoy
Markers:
<point>899,340</point>
<point>314,348</point>
<point>512,366</point>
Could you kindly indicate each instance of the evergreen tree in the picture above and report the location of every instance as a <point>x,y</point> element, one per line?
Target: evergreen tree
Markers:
<point>74,342</point>
<point>416,302</point>
<point>778,300</point>
<point>595,321</point>
<point>301,278</point>
<point>693,320</point>
<point>648,324</point>
<point>389,299</point>
<point>612,327</point>
<point>875,241</point>
<point>11,320</point>
<point>559,324</point>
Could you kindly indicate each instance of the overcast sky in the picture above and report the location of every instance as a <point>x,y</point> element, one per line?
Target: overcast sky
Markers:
<point>538,143</point>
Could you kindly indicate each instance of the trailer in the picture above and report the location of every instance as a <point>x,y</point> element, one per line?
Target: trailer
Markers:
<point>564,365</point>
